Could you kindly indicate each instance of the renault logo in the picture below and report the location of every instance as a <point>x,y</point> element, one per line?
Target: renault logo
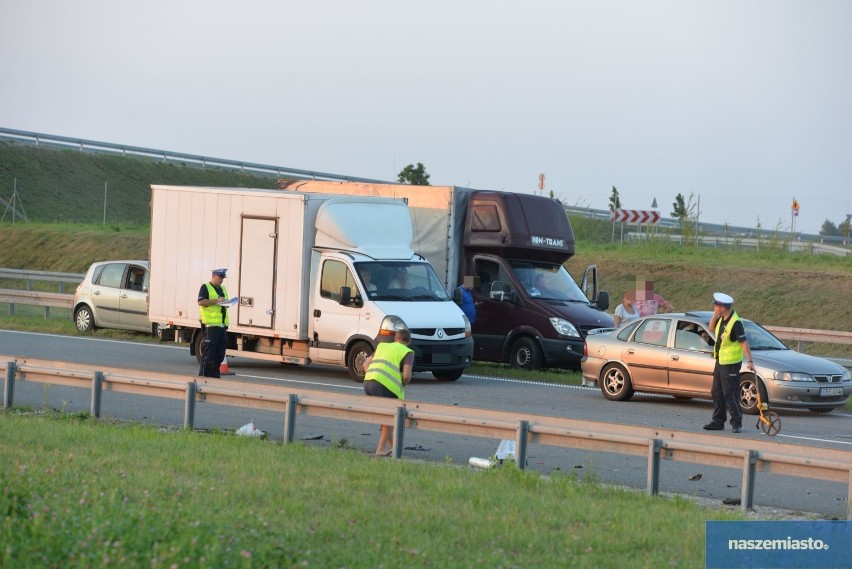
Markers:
<point>440,332</point>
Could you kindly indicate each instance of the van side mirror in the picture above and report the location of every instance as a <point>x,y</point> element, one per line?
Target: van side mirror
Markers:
<point>603,300</point>
<point>457,296</point>
<point>345,296</point>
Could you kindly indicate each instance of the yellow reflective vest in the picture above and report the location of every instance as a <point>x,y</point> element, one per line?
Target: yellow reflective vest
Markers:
<point>386,367</point>
<point>730,352</point>
<point>213,315</point>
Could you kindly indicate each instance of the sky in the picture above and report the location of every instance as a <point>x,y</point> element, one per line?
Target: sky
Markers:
<point>739,105</point>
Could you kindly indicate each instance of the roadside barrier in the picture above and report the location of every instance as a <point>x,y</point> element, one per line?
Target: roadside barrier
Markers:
<point>747,455</point>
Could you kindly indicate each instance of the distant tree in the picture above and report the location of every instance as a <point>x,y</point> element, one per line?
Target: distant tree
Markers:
<point>414,175</point>
<point>684,212</point>
<point>679,208</point>
<point>828,229</point>
<point>614,200</point>
<point>845,229</point>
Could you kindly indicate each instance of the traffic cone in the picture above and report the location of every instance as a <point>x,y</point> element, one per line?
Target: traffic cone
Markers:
<point>223,367</point>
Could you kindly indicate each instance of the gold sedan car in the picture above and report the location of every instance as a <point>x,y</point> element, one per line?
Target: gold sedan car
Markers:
<point>673,354</point>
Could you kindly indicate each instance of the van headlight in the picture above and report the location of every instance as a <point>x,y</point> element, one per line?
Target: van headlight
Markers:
<point>792,376</point>
<point>390,324</point>
<point>564,327</point>
<point>467,331</point>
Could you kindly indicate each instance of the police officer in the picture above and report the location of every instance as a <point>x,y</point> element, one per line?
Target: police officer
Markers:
<point>388,371</point>
<point>731,344</point>
<point>213,314</point>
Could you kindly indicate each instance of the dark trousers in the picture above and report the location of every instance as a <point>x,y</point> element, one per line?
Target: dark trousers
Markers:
<point>213,346</point>
<point>726,393</point>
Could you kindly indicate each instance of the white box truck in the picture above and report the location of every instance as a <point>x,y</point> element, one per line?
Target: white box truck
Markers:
<point>299,266</point>
<point>508,241</point>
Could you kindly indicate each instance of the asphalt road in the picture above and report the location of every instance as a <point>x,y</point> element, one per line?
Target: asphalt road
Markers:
<point>833,430</point>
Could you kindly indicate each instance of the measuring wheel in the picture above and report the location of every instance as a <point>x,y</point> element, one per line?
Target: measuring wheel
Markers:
<point>770,422</point>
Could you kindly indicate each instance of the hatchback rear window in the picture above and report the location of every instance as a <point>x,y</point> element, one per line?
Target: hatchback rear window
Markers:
<point>111,275</point>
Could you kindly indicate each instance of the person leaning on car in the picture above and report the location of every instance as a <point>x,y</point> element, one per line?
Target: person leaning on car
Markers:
<point>731,344</point>
<point>214,319</point>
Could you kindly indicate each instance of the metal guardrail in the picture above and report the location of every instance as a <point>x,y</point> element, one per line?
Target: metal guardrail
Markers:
<point>718,229</point>
<point>14,296</point>
<point>46,276</point>
<point>30,297</point>
<point>749,456</point>
<point>83,145</point>
<point>811,247</point>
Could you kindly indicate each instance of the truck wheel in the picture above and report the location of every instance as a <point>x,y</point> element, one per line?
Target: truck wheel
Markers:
<point>448,375</point>
<point>197,343</point>
<point>525,354</point>
<point>355,360</point>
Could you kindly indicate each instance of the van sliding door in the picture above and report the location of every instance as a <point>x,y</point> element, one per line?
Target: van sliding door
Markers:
<point>257,272</point>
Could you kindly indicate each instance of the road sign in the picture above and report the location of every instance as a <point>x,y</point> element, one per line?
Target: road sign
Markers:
<point>541,181</point>
<point>640,216</point>
<point>795,206</point>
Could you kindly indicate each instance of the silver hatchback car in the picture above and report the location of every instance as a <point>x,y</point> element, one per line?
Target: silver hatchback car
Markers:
<point>673,354</point>
<point>114,294</point>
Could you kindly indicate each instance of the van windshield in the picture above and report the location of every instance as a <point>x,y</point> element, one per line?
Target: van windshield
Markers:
<point>407,281</point>
<point>547,281</point>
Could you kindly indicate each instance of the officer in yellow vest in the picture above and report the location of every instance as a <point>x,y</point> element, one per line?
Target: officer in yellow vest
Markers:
<point>731,344</point>
<point>387,372</point>
<point>213,314</point>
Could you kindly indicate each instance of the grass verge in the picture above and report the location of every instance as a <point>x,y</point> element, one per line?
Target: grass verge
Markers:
<point>75,491</point>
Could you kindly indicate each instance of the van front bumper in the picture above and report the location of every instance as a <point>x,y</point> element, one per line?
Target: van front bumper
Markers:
<point>562,353</point>
<point>445,355</point>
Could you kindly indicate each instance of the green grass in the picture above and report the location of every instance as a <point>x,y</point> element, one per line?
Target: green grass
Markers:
<point>77,492</point>
<point>50,176</point>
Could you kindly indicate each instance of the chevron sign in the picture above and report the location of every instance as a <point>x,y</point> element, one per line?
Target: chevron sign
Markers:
<point>640,216</point>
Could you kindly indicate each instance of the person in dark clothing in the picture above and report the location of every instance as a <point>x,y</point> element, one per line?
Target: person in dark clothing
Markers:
<point>213,313</point>
<point>731,344</point>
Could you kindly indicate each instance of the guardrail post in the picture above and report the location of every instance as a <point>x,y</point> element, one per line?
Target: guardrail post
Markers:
<point>655,447</point>
<point>398,431</point>
<point>290,418</point>
<point>521,443</point>
<point>97,384</point>
<point>189,408</point>
<point>9,389</point>
<point>749,469</point>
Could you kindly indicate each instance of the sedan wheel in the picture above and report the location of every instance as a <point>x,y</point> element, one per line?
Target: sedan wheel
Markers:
<point>748,394</point>
<point>615,383</point>
<point>84,320</point>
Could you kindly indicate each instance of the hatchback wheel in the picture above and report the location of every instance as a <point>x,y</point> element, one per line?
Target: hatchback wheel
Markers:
<point>615,383</point>
<point>84,320</point>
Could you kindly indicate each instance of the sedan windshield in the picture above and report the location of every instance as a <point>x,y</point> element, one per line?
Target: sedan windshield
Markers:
<point>760,339</point>
<point>547,281</point>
